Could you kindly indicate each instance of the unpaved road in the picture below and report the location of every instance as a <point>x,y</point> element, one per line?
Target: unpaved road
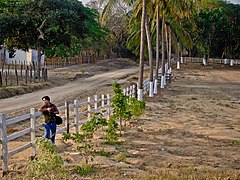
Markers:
<point>74,89</point>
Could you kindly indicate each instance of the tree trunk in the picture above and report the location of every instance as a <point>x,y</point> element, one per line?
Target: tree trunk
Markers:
<point>178,58</point>
<point>41,36</point>
<point>150,56</point>
<point>169,56</point>
<point>38,62</point>
<point>163,53</point>
<point>157,52</point>
<point>4,57</point>
<point>141,63</point>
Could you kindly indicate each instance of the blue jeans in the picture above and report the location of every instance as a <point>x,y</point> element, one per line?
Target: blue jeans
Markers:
<point>50,127</point>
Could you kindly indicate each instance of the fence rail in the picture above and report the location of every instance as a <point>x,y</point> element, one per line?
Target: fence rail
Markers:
<point>79,112</point>
<point>211,60</point>
<point>92,106</point>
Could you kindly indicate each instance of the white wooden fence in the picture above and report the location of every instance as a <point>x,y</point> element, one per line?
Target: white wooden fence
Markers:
<point>212,60</point>
<point>79,113</point>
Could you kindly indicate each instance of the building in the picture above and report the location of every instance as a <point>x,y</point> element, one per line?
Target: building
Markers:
<point>21,57</point>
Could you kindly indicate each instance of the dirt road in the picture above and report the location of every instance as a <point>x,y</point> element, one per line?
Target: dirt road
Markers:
<point>79,88</point>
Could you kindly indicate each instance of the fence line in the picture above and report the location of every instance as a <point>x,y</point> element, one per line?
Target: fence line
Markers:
<point>71,112</point>
<point>32,130</point>
<point>13,74</point>
<point>18,72</point>
<point>93,105</point>
<point>211,60</point>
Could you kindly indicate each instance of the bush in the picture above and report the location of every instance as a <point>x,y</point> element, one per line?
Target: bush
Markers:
<point>47,164</point>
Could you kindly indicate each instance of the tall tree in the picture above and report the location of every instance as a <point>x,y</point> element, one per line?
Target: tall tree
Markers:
<point>47,24</point>
<point>150,56</point>
<point>141,61</point>
<point>163,52</point>
<point>157,47</point>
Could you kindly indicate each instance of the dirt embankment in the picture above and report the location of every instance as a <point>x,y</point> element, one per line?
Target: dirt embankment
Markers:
<point>61,76</point>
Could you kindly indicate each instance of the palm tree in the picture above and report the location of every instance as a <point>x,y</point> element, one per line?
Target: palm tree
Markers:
<point>166,8</point>
<point>163,52</point>
<point>137,9</point>
<point>170,55</point>
<point>157,48</point>
<point>150,56</point>
<point>141,62</point>
<point>176,11</point>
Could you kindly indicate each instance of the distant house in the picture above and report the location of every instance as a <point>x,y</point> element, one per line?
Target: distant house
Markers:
<point>21,57</point>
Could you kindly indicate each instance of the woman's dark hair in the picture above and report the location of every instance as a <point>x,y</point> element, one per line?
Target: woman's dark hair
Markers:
<point>46,98</point>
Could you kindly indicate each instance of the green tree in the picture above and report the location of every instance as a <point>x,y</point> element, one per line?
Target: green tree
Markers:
<point>47,24</point>
<point>216,30</point>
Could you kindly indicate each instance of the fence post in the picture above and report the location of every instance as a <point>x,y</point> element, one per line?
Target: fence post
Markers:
<point>124,91</point>
<point>103,100</point>
<point>127,92</point>
<point>4,144</point>
<point>89,108</point>
<point>46,74</point>
<point>95,103</point>
<point>33,120</point>
<point>135,90</point>
<point>67,115</point>
<point>76,115</point>
<point>131,93</point>
<point>108,106</point>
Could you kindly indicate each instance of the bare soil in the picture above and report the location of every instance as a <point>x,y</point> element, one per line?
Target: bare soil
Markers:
<point>190,130</point>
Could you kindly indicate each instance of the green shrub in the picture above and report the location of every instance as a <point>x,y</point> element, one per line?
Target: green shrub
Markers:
<point>47,164</point>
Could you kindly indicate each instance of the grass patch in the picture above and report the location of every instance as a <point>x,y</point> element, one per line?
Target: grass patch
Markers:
<point>48,164</point>
<point>190,173</point>
<point>82,70</point>
<point>121,156</point>
<point>114,143</point>
<point>102,152</point>
<point>234,142</point>
<point>83,170</point>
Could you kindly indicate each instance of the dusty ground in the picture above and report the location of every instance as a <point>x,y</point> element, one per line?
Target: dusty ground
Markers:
<point>190,130</point>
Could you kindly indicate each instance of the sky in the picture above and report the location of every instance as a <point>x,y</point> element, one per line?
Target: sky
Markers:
<point>232,1</point>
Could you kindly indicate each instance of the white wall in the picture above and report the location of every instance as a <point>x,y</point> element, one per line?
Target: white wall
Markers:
<point>21,56</point>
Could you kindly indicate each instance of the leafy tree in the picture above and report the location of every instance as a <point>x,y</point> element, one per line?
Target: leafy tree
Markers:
<point>207,21</point>
<point>120,105</point>
<point>216,30</point>
<point>230,25</point>
<point>48,24</point>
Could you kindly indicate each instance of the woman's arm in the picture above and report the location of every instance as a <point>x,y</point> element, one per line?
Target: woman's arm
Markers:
<point>56,111</point>
<point>42,109</point>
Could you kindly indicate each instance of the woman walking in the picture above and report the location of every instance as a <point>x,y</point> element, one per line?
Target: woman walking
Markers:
<point>49,111</point>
